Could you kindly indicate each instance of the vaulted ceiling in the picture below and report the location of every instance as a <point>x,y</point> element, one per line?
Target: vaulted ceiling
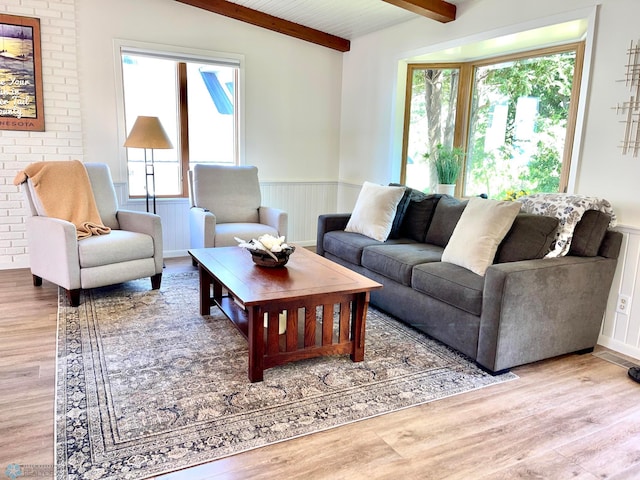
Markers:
<point>331,23</point>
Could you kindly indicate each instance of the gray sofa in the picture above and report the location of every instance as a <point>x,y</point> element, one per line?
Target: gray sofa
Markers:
<point>524,309</point>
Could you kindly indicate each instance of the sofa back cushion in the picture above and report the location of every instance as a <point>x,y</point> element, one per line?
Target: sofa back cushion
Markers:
<point>445,218</point>
<point>588,233</point>
<point>530,237</point>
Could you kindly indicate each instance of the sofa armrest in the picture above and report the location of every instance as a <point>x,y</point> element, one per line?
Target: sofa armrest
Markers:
<point>202,226</point>
<point>53,251</point>
<point>274,217</point>
<point>537,309</point>
<point>148,223</point>
<point>328,223</point>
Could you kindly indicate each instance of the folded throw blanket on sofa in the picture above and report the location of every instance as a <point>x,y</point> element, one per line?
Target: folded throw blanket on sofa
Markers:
<point>64,191</point>
<point>569,210</point>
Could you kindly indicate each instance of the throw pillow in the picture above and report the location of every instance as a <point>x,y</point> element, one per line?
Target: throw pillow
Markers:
<point>475,239</point>
<point>401,210</point>
<point>375,210</point>
<point>419,215</point>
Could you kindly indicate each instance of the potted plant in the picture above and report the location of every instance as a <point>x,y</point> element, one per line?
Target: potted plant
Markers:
<point>448,163</point>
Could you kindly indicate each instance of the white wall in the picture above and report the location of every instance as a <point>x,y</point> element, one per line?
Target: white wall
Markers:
<point>291,102</point>
<point>371,119</point>
<point>62,139</point>
<point>290,111</point>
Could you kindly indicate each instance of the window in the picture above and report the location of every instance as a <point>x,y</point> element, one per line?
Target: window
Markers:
<point>514,116</point>
<point>196,102</point>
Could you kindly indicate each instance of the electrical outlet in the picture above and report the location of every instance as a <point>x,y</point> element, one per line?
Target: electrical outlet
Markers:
<point>624,304</point>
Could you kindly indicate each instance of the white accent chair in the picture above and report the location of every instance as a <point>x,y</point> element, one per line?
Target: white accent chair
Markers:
<point>132,250</point>
<point>226,203</point>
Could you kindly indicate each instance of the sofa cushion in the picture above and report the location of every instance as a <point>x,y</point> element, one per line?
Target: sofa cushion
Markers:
<point>588,234</point>
<point>375,210</point>
<point>451,284</point>
<point>118,246</point>
<point>419,215</point>
<point>397,261</point>
<point>481,228</point>
<point>347,245</point>
<point>530,237</point>
<point>446,216</point>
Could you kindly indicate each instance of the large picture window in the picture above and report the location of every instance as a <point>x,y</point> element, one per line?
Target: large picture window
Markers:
<point>196,101</point>
<point>514,117</point>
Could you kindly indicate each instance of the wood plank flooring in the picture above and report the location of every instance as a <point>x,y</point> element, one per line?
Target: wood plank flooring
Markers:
<point>576,416</point>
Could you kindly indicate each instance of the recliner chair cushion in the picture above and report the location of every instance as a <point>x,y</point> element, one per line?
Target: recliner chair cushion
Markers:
<point>116,247</point>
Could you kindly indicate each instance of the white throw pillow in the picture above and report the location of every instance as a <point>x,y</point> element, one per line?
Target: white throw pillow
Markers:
<point>375,210</point>
<point>482,226</point>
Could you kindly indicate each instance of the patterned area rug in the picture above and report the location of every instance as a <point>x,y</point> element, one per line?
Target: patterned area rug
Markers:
<point>145,385</point>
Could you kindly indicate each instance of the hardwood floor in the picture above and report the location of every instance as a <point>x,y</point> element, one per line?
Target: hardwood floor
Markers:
<point>576,416</point>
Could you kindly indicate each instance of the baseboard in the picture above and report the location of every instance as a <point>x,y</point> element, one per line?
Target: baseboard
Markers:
<point>620,347</point>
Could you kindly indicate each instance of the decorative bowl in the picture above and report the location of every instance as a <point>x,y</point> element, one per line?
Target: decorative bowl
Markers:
<point>263,259</point>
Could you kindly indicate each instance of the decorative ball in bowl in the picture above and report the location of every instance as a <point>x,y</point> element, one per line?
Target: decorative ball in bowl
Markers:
<point>263,259</point>
<point>267,250</point>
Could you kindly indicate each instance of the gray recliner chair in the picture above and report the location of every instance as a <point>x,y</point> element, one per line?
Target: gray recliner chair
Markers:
<point>226,203</point>
<point>132,250</point>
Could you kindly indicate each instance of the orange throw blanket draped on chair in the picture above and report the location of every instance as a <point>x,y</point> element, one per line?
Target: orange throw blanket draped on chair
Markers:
<point>64,191</point>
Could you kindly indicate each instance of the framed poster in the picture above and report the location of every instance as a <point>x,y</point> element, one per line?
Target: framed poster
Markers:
<point>21,103</point>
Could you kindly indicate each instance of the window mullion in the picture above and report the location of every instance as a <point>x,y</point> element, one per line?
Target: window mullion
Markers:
<point>572,119</point>
<point>463,113</point>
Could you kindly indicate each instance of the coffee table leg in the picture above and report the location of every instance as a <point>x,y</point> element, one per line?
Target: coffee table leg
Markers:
<point>256,344</point>
<point>358,325</point>
<point>205,291</point>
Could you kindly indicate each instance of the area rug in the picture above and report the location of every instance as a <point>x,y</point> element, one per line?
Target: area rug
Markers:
<point>146,385</point>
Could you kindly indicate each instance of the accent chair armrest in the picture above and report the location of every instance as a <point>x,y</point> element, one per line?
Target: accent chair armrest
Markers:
<point>274,217</point>
<point>328,223</point>
<point>148,223</point>
<point>536,309</point>
<point>202,226</point>
<point>53,251</point>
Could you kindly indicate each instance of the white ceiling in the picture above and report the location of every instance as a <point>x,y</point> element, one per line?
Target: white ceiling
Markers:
<point>344,18</point>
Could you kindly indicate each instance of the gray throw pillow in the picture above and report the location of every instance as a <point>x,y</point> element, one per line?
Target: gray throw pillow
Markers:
<point>419,216</point>
<point>401,210</point>
<point>445,218</point>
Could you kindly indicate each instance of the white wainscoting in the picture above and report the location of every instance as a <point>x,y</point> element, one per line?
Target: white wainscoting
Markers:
<point>621,328</point>
<point>303,201</point>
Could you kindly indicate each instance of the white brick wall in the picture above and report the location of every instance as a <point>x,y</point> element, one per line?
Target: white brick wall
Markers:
<point>62,138</point>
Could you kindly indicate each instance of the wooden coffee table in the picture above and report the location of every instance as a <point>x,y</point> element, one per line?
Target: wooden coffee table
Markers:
<point>256,295</point>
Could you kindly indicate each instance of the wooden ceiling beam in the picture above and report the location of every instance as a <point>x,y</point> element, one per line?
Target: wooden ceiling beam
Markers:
<point>435,9</point>
<point>264,20</point>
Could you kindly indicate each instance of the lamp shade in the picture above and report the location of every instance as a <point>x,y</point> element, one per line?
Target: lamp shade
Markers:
<point>147,132</point>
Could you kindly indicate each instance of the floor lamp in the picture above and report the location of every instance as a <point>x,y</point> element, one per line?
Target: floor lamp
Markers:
<point>147,133</point>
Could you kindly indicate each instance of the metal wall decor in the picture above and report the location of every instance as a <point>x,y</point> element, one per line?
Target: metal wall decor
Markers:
<point>631,108</point>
